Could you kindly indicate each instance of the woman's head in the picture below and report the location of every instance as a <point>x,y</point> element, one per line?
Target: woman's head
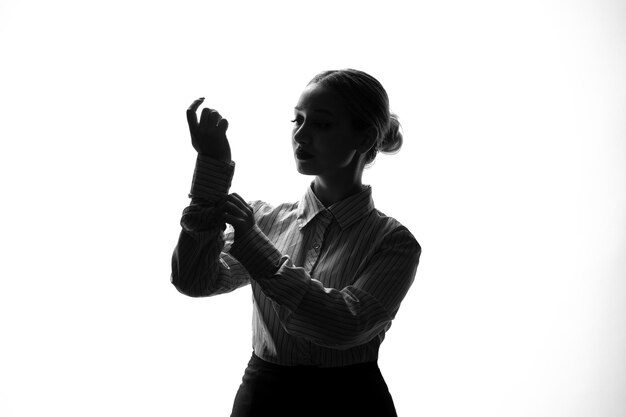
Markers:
<point>367,104</point>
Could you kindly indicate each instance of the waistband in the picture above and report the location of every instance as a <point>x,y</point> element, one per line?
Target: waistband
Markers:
<point>257,362</point>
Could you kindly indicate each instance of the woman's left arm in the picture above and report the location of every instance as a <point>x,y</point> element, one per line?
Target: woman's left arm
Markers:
<point>335,318</point>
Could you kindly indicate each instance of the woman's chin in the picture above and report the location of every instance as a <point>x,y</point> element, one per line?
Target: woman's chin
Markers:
<point>304,169</point>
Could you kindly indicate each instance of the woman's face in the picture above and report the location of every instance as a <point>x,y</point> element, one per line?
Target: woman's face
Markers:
<point>324,141</point>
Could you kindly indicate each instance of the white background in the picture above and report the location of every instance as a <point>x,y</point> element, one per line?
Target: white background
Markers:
<point>512,178</point>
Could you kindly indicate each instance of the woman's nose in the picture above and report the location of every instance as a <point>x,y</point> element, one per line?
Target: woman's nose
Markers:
<point>300,134</point>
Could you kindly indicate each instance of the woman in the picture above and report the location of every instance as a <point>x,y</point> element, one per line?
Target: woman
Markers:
<point>327,273</point>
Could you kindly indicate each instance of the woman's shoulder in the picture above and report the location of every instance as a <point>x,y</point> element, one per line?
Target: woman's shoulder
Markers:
<point>390,222</point>
<point>393,228</point>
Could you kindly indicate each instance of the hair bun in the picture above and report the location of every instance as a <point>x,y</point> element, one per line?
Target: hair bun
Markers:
<point>392,141</point>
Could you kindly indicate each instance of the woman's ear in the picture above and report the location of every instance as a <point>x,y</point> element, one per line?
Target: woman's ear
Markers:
<point>368,139</point>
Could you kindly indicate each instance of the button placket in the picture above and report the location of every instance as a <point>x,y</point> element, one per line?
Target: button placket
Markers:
<point>321,224</point>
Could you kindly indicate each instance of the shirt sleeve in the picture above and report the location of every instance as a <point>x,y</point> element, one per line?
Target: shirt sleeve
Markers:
<point>334,318</point>
<point>201,264</point>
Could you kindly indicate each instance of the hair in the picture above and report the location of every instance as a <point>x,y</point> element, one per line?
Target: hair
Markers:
<point>368,105</point>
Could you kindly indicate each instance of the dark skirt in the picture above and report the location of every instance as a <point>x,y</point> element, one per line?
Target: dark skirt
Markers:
<point>273,390</point>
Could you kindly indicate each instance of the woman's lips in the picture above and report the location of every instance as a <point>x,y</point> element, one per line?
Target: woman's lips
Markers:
<point>302,154</point>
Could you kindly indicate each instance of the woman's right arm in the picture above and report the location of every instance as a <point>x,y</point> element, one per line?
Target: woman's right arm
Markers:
<point>201,265</point>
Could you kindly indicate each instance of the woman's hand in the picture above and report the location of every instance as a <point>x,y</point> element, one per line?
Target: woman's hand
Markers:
<point>209,136</point>
<point>238,214</point>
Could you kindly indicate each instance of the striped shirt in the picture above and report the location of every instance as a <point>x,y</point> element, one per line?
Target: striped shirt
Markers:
<point>326,282</point>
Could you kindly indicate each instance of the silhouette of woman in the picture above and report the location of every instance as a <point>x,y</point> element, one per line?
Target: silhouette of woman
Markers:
<point>328,272</point>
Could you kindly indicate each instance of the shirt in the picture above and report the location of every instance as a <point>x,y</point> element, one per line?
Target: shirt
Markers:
<point>326,281</point>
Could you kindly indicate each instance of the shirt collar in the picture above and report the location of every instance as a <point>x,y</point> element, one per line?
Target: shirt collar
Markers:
<point>345,212</point>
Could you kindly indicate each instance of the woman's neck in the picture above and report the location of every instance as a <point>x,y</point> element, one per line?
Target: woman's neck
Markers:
<point>332,190</point>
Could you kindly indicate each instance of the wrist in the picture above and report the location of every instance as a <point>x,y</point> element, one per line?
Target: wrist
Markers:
<point>211,178</point>
<point>222,158</point>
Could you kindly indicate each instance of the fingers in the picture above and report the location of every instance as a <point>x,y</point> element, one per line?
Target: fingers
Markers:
<point>235,208</point>
<point>209,119</point>
<point>238,214</point>
<point>234,216</point>
<point>222,126</point>
<point>238,209</point>
<point>239,202</point>
<point>234,221</point>
<point>192,119</point>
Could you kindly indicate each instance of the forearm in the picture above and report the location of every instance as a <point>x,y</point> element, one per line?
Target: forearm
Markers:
<point>336,318</point>
<point>329,317</point>
<point>199,266</point>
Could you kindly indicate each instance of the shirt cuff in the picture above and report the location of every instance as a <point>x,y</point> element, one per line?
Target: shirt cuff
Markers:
<point>256,253</point>
<point>211,179</point>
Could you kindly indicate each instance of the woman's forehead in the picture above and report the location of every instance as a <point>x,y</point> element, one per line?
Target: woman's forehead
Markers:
<point>317,98</point>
